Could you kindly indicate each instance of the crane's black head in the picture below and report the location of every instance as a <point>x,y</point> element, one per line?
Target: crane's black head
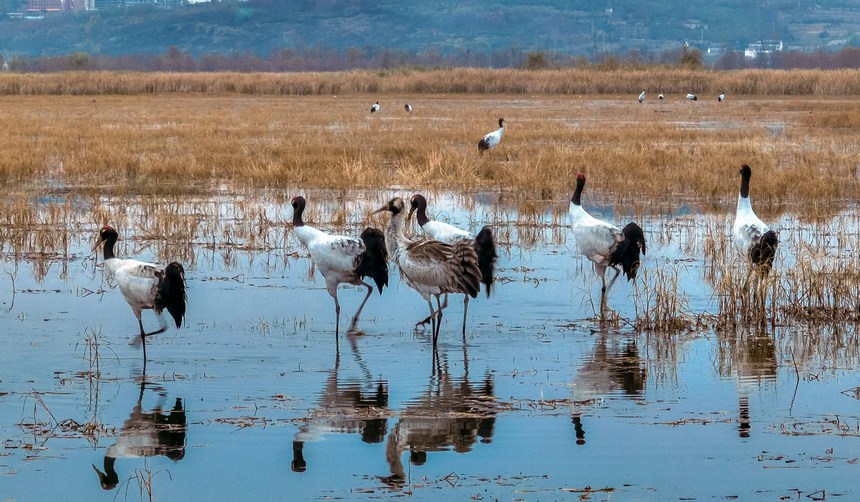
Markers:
<point>107,233</point>
<point>418,203</point>
<point>298,203</point>
<point>394,206</point>
<point>501,122</point>
<point>109,236</point>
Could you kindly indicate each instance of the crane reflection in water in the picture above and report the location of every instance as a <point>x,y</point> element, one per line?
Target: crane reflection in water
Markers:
<point>146,434</point>
<point>751,358</point>
<point>452,414</point>
<point>614,366</point>
<point>346,406</point>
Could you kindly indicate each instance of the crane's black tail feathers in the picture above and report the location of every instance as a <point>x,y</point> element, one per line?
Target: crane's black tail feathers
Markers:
<point>763,252</point>
<point>171,292</point>
<point>373,262</point>
<point>470,272</point>
<point>483,145</point>
<point>485,246</point>
<point>627,252</point>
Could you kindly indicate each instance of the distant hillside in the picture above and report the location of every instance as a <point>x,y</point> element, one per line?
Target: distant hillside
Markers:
<point>568,27</point>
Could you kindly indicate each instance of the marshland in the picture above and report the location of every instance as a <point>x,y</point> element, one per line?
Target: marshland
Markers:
<point>701,379</point>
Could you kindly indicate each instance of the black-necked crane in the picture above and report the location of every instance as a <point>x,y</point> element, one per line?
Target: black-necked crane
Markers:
<point>492,139</point>
<point>374,108</point>
<point>603,243</point>
<point>660,96</point>
<point>146,286</point>
<point>642,96</point>
<point>408,108</point>
<point>343,260</point>
<point>431,267</point>
<point>692,97</point>
<point>752,237</point>
<point>484,244</point>
<point>721,97</point>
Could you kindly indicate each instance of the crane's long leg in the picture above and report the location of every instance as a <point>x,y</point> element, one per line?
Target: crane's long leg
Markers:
<point>444,305</point>
<point>142,340</point>
<point>465,311</point>
<point>602,272</point>
<point>367,297</point>
<point>161,328</point>
<point>438,322</point>
<point>336,315</point>
<point>432,316</point>
<point>617,273</point>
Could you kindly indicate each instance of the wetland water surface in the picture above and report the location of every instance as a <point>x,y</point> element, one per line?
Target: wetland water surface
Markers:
<point>255,398</point>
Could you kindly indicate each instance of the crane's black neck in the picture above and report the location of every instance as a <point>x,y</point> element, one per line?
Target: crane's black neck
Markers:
<point>422,215</point>
<point>298,209</point>
<point>746,175</point>
<point>577,194</point>
<point>419,205</point>
<point>109,243</point>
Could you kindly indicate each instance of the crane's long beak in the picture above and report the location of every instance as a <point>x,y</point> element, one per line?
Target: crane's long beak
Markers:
<point>409,216</point>
<point>381,209</point>
<point>98,243</point>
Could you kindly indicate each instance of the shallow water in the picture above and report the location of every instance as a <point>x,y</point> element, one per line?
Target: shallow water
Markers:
<point>256,398</point>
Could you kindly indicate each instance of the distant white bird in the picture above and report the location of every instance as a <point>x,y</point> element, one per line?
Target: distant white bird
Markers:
<point>343,260</point>
<point>374,108</point>
<point>484,245</point>
<point>752,237</point>
<point>642,96</point>
<point>408,108</point>
<point>721,97</point>
<point>660,96</point>
<point>692,97</point>
<point>603,243</point>
<point>431,267</point>
<point>492,139</point>
<point>146,285</point>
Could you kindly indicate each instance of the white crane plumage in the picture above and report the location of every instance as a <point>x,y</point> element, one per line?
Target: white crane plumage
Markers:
<point>408,108</point>
<point>343,260</point>
<point>374,108</point>
<point>484,244</point>
<point>642,96</point>
<point>431,267</point>
<point>603,243</point>
<point>692,97</point>
<point>721,97</point>
<point>752,237</point>
<point>146,285</point>
<point>492,139</point>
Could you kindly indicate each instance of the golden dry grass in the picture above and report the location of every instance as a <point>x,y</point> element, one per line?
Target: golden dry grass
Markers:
<point>643,155</point>
<point>670,80</point>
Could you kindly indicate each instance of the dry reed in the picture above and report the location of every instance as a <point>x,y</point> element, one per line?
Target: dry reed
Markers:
<point>183,142</point>
<point>660,304</point>
<point>443,81</point>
